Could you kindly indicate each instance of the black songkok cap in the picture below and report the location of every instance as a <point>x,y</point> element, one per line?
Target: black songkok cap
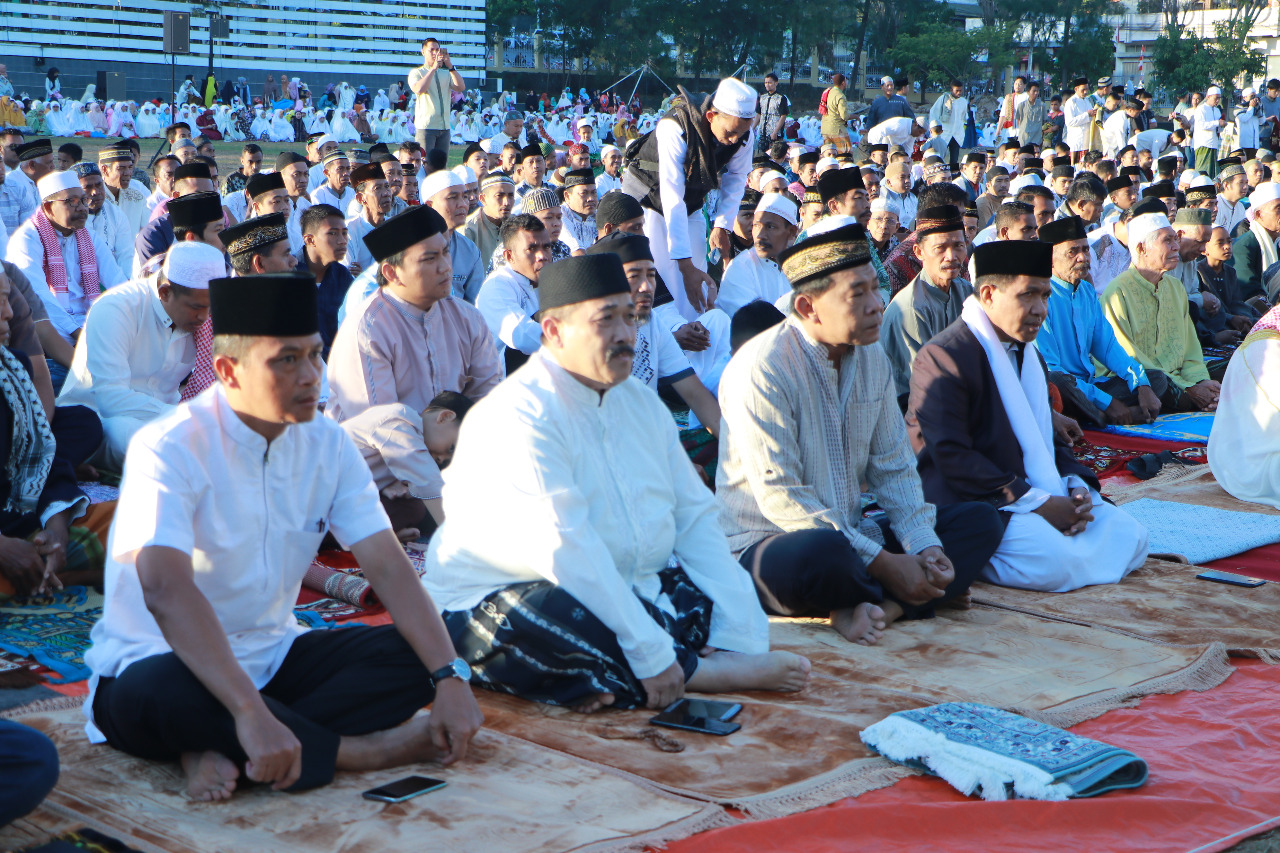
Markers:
<point>750,201</point>
<point>808,157</point>
<point>1222,164</point>
<point>530,150</point>
<point>1055,162</point>
<point>472,148</point>
<point>192,170</point>
<point>579,177</point>
<point>253,234</point>
<point>1063,230</point>
<point>404,230</point>
<point>581,278</point>
<point>1081,81</point>
<point>997,172</point>
<point>826,253</point>
<point>1119,183</point>
<point>1012,145</point>
<point>312,137</point>
<point>195,210</point>
<point>628,247</point>
<point>616,208</point>
<point>812,196</point>
<point>879,146</point>
<point>1160,189</point>
<point>1167,164</point>
<point>836,182</point>
<point>1130,171</point>
<point>1027,149</point>
<point>264,183</point>
<point>33,149</point>
<point>1147,205</point>
<point>278,305</point>
<point>1125,150</point>
<point>1013,257</point>
<point>762,161</point>
<point>115,153</point>
<point>287,159</point>
<point>975,157</point>
<point>939,220</point>
<point>366,172</point>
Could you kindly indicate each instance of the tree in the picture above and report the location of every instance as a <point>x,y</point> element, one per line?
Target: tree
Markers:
<point>1182,61</point>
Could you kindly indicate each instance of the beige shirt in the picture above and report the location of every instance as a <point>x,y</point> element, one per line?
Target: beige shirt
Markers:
<point>391,441</point>
<point>388,351</point>
<point>432,105</point>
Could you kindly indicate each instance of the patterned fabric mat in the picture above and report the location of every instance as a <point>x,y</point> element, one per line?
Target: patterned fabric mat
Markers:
<point>52,629</point>
<point>99,493</point>
<point>1202,533</point>
<point>1109,460</point>
<point>1184,426</point>
<point>315,603</point>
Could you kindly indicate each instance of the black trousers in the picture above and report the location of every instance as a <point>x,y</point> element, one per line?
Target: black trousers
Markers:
<point>812,572</point>
<point>78,432</point>
<point>1172,398</point>
<point>333,683</point>
<point>28,770</point>
<point>1076,405</point>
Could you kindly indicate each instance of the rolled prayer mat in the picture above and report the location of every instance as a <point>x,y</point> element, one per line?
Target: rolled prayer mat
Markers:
<point>348,588</point>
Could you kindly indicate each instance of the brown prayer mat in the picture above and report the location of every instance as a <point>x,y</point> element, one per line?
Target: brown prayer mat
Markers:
<point>1189,485</point>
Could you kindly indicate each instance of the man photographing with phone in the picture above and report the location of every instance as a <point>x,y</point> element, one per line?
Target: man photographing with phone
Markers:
<point>433,82</point>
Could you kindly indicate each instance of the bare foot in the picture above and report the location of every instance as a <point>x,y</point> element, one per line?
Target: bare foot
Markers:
<point>863,624</point>
<point>408,534</point>
<point>211,776</point>
<point>595,703</point>
<point>409,743</point>
<point>962,602</point>
<point>726,672</point>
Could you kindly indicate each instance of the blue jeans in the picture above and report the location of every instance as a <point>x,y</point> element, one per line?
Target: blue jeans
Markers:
<point>28,770</point>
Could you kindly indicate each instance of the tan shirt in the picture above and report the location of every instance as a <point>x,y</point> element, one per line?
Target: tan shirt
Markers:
<point>391,441</point>
<point>432,105</point>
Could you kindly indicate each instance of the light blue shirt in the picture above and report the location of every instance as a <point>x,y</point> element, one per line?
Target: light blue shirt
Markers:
<point>1076,334</point>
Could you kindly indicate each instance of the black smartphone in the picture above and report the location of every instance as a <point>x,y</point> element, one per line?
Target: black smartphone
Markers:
<point>1229,577</point>
<point>404,789</point>
<point>700,715</point>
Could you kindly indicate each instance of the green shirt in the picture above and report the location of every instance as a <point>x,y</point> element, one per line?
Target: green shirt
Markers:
<point>432,105</point>
<point>1153,325</point>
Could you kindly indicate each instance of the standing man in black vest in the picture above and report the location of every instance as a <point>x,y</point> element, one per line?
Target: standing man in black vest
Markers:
<point>695,149</point>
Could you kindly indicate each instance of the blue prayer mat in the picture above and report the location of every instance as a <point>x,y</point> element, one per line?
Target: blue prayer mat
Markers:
<point>1187,427</point>
<point>52,629</point>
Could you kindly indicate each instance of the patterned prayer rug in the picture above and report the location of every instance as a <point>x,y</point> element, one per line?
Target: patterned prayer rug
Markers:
<point>53,629</point>
<point>1109,460</point>
<point>1191,427</point>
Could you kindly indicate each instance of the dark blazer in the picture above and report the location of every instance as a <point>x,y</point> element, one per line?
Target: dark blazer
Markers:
<point>964,443</point>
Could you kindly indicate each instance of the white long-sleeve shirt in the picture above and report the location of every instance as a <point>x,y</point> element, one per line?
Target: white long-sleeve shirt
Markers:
<point>357,252</point>
<point>1076,118</point>
<point>133,204</point>
<point>892,131</point>
<point>1204,126</point>
<point>672,150</point>
<point>953,125</point>
<point>130,361</point>
<point>111,225</point>
<point>1115,133</point>
<point>324,194</point>
<point>508,302</point>
<point>747,278</point>
<point>596,495</point>
<point>1247,124</point>
<point>66,311</point>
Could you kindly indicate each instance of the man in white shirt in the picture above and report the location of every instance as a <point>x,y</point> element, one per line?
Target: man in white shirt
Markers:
<point>138,355</point>
<point>611,178</point>
<point>1119,126</point>
<point>1206,122</point>
<point>198,657</point>
<point>951,112</point>
<point>1233,186</point>
<point>373,193</point>
<point>585,611</point>
<point>754,274</point>
<point>106,221</point>
<point>445,192</point>
<point>162,171</point>
<point>336,189</point>
<point>325,145</point>
<point>508,299</point>
<point>579,210</point>
<point>695,149</point>
<point>1078,116</point>
<point>18,196</point>
<point>512,131</point>
<point>901,130</point>
<point>116,164</point>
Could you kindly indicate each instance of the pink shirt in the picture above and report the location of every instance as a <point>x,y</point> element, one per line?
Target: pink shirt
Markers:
<point>389,351</point>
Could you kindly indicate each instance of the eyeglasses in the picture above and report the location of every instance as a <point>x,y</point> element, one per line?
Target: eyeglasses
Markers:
<point>73,202</point>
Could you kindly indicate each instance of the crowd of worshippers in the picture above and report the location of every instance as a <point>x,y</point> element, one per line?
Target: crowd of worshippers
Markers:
<point>894,372</point>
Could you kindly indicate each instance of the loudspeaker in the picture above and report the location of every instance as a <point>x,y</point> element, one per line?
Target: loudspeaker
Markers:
<point>102,87</point>
<point>116,85</point>
<point>177,32</point>
<point>220,27</point>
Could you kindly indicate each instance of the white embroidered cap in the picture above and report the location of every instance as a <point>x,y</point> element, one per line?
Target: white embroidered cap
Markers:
<point>1022,181</point>
<point>779,205</point>
<point>1200,181</point>
<point>466,173</point>
<point>1266,192</point>
<point>1188,177</point>
<point>321,141</point>
<point>770,176</point>
<point>55,182</point>
<point>586,122</point>
<point>828,223</point>
<point>1142,227</point>
<point>192,264</point>
<point>606,150</point>
<point>828,163</point>
<point>879,204</point>
<point>735,98</point>
<point>438,182</point>
<point>485,144</point>
<point>1212,90</point>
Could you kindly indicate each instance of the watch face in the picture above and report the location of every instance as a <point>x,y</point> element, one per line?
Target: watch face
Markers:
<point>461,669</point>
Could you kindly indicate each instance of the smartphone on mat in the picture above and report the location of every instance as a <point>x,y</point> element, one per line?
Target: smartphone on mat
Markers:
<point>1231,578</point>
<point>700,715</point>
<point>404,789</point>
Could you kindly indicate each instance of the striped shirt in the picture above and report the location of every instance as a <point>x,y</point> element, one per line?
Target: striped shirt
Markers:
<point>798,438</point>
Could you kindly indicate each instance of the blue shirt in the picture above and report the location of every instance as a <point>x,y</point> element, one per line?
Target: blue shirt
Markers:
<point>1075,333</point>
<point>330,291</point>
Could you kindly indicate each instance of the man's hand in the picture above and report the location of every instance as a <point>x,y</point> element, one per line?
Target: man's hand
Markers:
<point>1228,336</point>
<point>699,287</point>
<point>1210,303</point>
<point>721,239</point>
<point>21,564</point>
<point>1148,402</point>
<point>1205,395</point>
<point>1243,325</point>
<point>1117,412</point>
<point>1066,428</point>
<point>395,491</point>
<point>664,688</point>
<point>910,577</point>
<point>356,269</point>
<point>1067,515</point>
<point>455,719</point>
<point>938,569</point>
<point>275,754</point>
<point>51,543</point>
<point>693,337</point>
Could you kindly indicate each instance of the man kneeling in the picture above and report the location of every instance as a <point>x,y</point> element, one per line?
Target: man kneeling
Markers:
<point>198,656</point>
<point>573,597</point>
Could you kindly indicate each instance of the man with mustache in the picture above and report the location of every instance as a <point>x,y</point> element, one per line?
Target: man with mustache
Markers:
<point>508,299</point>
<point>575,604</point>
<point>754,274</point>
<point>981,424</point>
<point>933,299</point>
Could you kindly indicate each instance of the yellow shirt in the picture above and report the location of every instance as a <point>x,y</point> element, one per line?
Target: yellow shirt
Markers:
<point>1153,325</point>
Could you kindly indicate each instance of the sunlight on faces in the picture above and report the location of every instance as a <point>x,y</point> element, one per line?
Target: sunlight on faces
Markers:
<point>643,278</point>
<point>118,173</point>
<point>190,186</point>
<point>770,234</point>
<point>943,256</point>
<point>612,162</point>
<point>1044,210</point>
<point>1071,261</point>
<point>997,186</point>
<point>532,169</point>
<point>274,201</point>
<point>375,196</point>
<point>882,225</point>
<point>394,174</point>
<point>276,380</point>
<point>1218,249</point>
<point>776,185</point>
<point>854,202</point>
<point>507,160</point>
<point>1191,240</point>
<point>900,182</point>
<point>848,313</point>
<point>187,310</point>
<point>425,276</point>
<point>1088,210</point>
<point>295,179</point>
<point>1015,305</point>
<point>579,161</point>
<point>409,188</point>
<point>811,214</point>
<point>440,434</point>
<point>497,200</point>
<point>95,192</point>
<point>808,173</point>
<point>478,162</point>
<point>328,244</point>
<point>338,174</point>
<point>250,162</point>
<point>1022,228</point>
<point>1124,197</point>
<point>594,340</point>
<point>164,176</point>
<point>1159,251</point>
<point>583,199</point>
<point>553,219</point>
<point>531,252</point>
<point>871,180</point>
<point>68,209</point>
<point>275,259</point>
<point>327,149</point>
<point>742,223</point>
<point>451,203</point>
<point>1268,216</point>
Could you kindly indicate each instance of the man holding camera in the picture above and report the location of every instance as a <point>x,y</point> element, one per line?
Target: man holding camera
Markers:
<point>433,82</point>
